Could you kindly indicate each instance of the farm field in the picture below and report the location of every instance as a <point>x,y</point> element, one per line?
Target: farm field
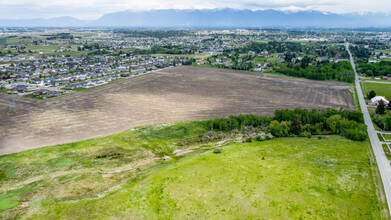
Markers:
<point>176,94</point>
<point>122,175</point>
<point>380,89</point>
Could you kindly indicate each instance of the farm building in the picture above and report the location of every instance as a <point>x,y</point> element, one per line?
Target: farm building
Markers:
<point>376,100</point>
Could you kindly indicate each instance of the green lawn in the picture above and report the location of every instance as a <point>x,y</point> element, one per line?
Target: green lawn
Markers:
<point>387,151</point>
<point>76,89</point>
<point>123,175</point>
<point>377,80</point>
<point>380,137</point>
<point>44,49</point>
<point>387,137</point>
<point>380,89</point>
<point>18,40</point>
<point>384,51</point>
<point>259,60</point>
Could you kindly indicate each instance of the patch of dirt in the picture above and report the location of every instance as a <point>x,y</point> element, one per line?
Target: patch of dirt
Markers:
<point>221,143</point>
<point>24,205</point>
<point>181,152</point>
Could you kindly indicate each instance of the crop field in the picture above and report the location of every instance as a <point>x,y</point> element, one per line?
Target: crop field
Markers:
<point>123,175</point>
<point>176,94</point>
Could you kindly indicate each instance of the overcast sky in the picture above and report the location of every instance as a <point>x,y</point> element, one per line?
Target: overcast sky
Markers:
<point>92,9</point>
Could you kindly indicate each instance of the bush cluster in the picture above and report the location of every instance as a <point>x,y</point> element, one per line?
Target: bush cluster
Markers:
<point>383,121</point>
<point>340,71</point>
<point>375,69</point>
<point>213,136</point>
<point>301,122</point>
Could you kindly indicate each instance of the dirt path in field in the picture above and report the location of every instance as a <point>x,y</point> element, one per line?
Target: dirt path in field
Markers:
<point>105,173</point>
<point>221,143</point>
<point>176,94</point>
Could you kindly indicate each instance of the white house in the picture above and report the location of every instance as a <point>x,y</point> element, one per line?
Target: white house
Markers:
<point>376,100</point>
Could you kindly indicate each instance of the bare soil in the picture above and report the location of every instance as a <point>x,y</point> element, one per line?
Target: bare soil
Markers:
<point>176,94</point>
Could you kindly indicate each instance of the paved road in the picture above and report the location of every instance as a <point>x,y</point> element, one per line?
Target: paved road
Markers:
<point>384,132</point>
<point>381,159</point>
<point>379,82</point>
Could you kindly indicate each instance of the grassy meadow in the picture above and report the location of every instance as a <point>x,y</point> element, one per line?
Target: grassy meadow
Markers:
<point>387,137</point>
<point>380,89</point>
<point>127,175</point>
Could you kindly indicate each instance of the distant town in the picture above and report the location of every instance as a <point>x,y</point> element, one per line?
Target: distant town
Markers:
<point>44,63</point>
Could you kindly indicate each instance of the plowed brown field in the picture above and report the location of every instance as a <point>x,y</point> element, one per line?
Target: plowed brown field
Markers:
<point>176,94</point>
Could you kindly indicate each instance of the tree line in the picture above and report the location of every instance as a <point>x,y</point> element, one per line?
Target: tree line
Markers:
<point>325,70</point>
<point>271,46</point>
<point>299,121</point>
<point>375,69</point>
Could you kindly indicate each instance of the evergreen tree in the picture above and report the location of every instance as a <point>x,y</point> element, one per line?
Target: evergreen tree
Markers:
<point>381,108</point>
<point>296,125</point>
<point>371,94</point>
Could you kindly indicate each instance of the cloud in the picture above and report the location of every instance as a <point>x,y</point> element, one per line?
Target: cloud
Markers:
<point>92,9</point>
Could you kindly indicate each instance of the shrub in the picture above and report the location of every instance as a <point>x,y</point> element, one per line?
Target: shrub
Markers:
<point>213,136</point>
<point>334,124</point>
<point>269,136</point>
<point>248,139</point>
<point>356,134</point>
<point>259,138</point>
<point>305,134</point>
<point>217,151</point>
<point>380,121</point>
<point>371,94</point>
<point>320,137</point>
<point>111,153</point>
<point>279,129</point>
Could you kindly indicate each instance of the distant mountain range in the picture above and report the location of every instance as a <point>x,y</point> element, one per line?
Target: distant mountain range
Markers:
<point>216,18</point>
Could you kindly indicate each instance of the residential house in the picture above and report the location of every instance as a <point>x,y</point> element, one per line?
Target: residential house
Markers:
<point>376,100</point>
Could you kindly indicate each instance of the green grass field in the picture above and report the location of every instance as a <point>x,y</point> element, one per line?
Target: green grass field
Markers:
<point>277,179</point>
<point>77,89</point>
<point>384,51</point>
<point>261,41</point>
<point>380,137</point>
<point>377,80</point>
<point>259,60</point>
<point>123,175</point>
<point>380,89</point>
<point>387,151</point>
<point>387,137</point>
